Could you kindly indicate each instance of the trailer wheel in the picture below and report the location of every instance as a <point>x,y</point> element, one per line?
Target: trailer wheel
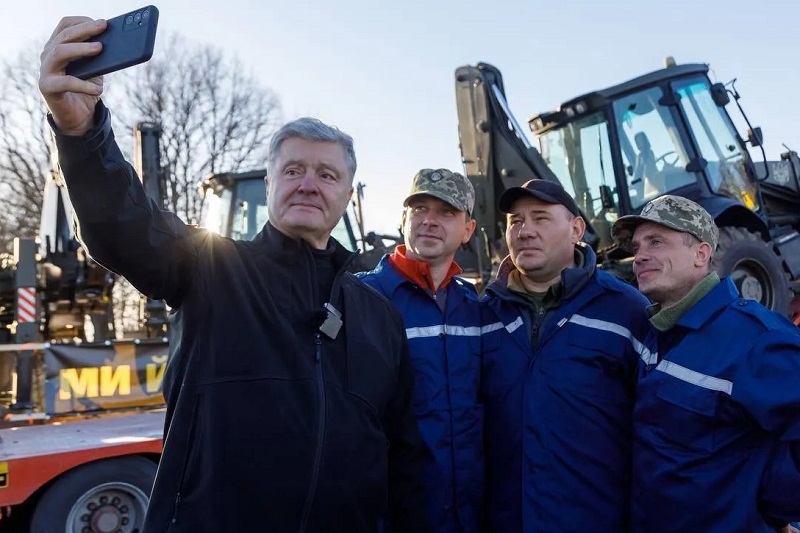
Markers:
<point>754,267</point>
<point>110,496</point>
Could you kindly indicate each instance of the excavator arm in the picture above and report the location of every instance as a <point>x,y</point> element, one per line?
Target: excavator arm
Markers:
<point>147,152</point>
<point>496,155</point>
<point>147,136</point>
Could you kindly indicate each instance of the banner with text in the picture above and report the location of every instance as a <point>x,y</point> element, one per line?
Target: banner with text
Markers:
<point>93,377</point>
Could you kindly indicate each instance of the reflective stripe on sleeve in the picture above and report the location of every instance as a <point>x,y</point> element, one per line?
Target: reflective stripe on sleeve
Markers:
<point>695,378</point>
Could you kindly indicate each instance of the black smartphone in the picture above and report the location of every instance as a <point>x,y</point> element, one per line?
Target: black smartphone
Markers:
<point>128,40</point>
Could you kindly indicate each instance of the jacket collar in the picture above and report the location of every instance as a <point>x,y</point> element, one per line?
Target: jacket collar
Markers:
<point>419,272</point>
<point>390,278</point>
<point>292,251</point>
<point>712,303</point>
<point>572,279</point>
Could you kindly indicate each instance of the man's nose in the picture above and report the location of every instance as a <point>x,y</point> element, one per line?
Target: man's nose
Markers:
<point>526,231</point>
<point>430,218</point>
<point>308,183</point>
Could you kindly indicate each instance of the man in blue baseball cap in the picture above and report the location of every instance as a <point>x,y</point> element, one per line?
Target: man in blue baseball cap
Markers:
<point>560,355</point>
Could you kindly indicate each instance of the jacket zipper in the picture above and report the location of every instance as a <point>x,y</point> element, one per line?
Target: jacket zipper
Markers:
<point>177,505</point>
<point>312,489</point>
<point>538,317</point>
<point>539,321</point>
<point>321,412</point>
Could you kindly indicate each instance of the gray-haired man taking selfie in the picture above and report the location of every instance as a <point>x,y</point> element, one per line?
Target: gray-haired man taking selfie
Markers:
<point>282,414</point>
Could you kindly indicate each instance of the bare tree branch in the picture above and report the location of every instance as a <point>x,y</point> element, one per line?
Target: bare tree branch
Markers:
<point>24,148</point>
<point>214,116</point>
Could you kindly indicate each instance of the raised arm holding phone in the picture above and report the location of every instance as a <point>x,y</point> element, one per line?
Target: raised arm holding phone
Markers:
<point>276,421</point>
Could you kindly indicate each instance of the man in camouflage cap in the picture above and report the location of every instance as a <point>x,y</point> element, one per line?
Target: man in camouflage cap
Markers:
<point>663,220</point>
<point>450,187</point>
<point>442,316</point>
<point>675,212</point>
<point>717,396</point>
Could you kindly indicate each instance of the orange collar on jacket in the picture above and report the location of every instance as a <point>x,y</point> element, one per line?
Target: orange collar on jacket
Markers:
<point>419,271</point>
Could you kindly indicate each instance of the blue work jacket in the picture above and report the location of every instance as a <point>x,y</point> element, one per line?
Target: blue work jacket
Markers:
<point>718,420</point>
<point>445,349</point>
<point>558,390</point>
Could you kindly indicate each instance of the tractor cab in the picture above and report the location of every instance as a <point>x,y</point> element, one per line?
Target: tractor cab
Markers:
<point>665,132</point>
<point>614,150</point>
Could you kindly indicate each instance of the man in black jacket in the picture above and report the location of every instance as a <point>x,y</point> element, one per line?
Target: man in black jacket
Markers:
<point>289,392</point>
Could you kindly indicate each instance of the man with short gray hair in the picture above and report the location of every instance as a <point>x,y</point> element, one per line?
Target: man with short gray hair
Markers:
<point>289,392</point>
<point>717,431</point>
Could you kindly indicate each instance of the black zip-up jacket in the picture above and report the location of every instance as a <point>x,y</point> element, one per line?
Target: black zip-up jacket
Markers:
<point>271,425</point>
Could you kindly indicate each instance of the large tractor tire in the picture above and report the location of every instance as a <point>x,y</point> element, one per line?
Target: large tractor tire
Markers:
<point>109,496</point>
<point>754,267</point>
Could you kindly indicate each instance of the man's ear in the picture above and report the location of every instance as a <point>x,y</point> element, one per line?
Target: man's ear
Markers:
<point>403,218</point>
<point>578,229</point>
<point>703,254</point>
<point>469,229</point>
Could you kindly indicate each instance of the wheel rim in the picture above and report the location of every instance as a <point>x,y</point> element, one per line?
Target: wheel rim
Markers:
<point>753,282</point>
<point>108,508</point>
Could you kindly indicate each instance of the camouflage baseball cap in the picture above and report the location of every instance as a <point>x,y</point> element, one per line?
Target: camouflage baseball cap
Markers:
<point>450,187</point>
<point>674,212</point>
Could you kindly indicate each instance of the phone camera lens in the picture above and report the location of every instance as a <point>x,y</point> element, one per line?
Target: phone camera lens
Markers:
<point>137,17</point>
<point>145,14</point>
<point>129,19</point>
